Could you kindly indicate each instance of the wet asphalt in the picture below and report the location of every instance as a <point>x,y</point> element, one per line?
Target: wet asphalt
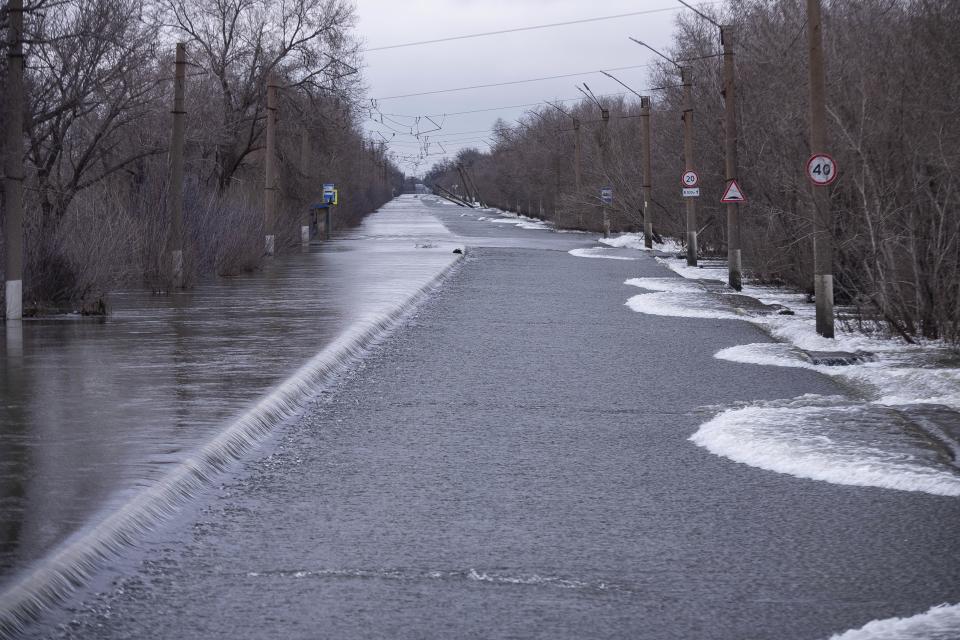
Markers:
<point>513,463</point>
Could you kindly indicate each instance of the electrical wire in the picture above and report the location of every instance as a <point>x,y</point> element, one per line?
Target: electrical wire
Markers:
<point>528,28</point>
<point>510,82</point>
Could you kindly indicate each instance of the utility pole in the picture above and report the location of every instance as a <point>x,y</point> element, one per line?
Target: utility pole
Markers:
<point>647,173</point>
<point>686,74</point>
<point>464,182</point>
<point>305,169</point>
<point>577,153</point>
<point>13,167</point>
<point>270,186</point>
<point>822,214</point>
<point>603,143</point>
<point>734,257</point>
<point>175,195</point>
<point>604,150</point>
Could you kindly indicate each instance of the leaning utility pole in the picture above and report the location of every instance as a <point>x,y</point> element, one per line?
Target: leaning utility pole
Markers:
<point>822,214</point>
<point>647,173</point>
<point>175,194</point>
<point>734,257</point>
<point>13,166</point>
<point>686,74</point>
<point>270,186</point>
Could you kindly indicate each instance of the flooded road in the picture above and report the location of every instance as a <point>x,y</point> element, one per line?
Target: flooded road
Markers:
<point>96,411</point>
<point>520,459</point>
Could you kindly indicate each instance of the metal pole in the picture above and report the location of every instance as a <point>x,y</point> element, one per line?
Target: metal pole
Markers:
<point>686,74</point>
<point>822,214</point>
<point>175,195</point>
<point>270,185</point>
<point>647,173</point>
<point>734,257</point>
<point>13,169</point>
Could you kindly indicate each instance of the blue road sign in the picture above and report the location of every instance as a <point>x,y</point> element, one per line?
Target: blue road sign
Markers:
<point>606,195</point>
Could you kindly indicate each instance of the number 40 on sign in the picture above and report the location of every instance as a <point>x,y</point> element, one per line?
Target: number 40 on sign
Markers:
<point>821,169</point>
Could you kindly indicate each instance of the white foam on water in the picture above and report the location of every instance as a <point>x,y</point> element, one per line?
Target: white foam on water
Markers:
<point>597,252</point>
<point>822,438</point>
<point>676,297</point>
<point>51,579</point>
<point>407,574</point>
<point>941,622</point>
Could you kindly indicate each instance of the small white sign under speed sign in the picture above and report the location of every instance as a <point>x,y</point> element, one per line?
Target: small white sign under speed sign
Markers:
<point>821,169</point>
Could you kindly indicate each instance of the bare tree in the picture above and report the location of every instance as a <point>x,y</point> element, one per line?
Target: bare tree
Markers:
<point>240,42</point>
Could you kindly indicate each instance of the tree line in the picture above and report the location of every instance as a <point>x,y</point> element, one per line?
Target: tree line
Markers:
<point>98,77</point>
<point>894,132</point>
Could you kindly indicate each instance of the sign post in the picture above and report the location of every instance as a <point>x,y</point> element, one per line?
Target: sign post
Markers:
<point>330,194</point>
<point>606,199</point>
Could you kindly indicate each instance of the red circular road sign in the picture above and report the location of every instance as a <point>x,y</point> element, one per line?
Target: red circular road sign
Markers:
<point>821,169</point>
<point>690,179</point>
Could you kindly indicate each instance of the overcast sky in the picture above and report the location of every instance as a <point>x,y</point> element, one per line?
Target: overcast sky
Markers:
<point>496,58</point>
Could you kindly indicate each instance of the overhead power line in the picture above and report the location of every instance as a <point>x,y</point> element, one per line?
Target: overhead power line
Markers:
<point>510,82</point>
<point>509,106</point>
<point>527,28</point>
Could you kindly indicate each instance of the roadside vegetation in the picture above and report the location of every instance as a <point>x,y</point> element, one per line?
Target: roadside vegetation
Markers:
<point>894,130</point>
<point>99,96</point>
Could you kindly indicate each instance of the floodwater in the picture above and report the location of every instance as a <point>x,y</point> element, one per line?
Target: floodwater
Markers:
<point>96,412</point>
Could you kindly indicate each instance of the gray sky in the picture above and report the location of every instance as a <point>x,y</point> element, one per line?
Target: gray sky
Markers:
<point>497,58</point>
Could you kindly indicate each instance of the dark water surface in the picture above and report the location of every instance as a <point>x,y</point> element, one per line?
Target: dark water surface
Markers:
<point>95,411</point>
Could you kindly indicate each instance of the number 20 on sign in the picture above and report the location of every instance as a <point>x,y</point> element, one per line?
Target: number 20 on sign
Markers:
<point>821,169</point>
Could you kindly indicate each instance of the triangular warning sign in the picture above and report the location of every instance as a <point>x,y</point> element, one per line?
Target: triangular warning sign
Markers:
<point>733,193</point>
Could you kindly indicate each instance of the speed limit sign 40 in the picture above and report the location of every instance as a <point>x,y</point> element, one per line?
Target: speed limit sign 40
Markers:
<point>821,169</point>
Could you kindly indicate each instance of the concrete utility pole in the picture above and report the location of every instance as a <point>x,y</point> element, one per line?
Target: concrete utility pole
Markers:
<point>734,257</point>
<point>604,150</point>
<point>175,195</point>
<point>686,75</point>
<point>466,184</point>
<point>270,186</point>
<point>577,154</point>
<point>822,214</point>
<point>13,165</point>
<point>647,173</point>
<point>306,169</point>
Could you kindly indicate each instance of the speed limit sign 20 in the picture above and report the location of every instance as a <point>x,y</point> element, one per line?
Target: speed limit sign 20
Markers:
<point>690,179</point>
<point>821,169</point>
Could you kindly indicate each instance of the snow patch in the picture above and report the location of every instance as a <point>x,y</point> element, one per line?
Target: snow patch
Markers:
<point>597,252</point>
<point>678,298</point>
<point>520,221</point>
<point>636,241</point>
<point>821,438</point>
